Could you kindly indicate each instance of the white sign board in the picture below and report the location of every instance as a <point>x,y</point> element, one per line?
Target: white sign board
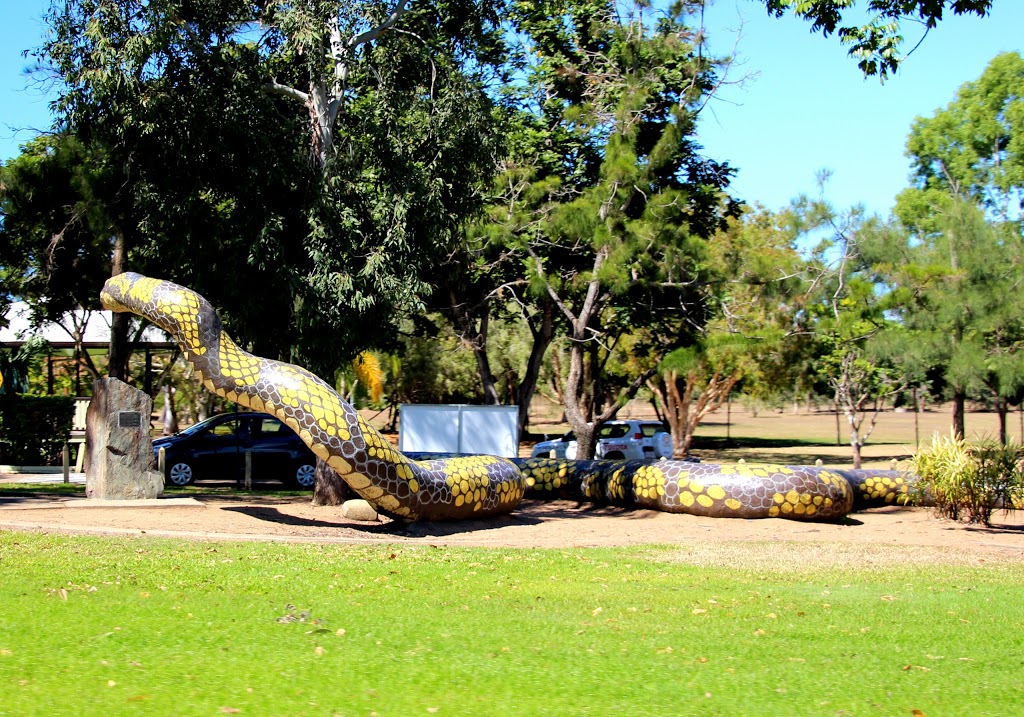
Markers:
<point>456,428</point>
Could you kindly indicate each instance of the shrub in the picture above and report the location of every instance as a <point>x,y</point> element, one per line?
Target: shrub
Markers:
<point>968,482</point>
<point>33,429</point>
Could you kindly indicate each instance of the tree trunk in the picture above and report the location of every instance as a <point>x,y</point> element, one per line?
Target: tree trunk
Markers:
<point>684,414</point>
<point>205,409</point>
<point>959,399</point>
<point>574,385</point>
<point>1002,408</point>
<point>543,335</point>
<point>329,488</point>
<point>120,323</point>
<point>855,447</point>
<point>474,332</point>
<point>169,416</point>
<point>583,429</point>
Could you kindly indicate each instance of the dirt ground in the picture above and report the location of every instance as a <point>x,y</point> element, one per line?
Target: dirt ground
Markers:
<point>882,536</point>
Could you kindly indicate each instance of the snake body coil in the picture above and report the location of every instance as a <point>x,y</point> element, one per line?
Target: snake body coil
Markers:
<point>457,488</point>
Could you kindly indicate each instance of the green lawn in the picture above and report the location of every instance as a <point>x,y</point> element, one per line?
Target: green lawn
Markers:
<point>96,626</point>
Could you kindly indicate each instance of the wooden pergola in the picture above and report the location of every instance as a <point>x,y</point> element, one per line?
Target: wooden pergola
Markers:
<point>77,334</point>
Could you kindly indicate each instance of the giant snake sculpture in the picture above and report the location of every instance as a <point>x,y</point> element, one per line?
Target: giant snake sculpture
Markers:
<point>456,488</point>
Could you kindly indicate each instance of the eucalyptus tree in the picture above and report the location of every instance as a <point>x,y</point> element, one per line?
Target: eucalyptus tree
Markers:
<point>752,327</point>
<point>325,153</point>
<point>974,147</point>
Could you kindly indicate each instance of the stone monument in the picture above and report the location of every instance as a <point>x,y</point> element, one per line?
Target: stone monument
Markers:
<point>118,447</point>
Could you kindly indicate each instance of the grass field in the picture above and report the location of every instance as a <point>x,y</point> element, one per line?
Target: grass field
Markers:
<point>95,626</point>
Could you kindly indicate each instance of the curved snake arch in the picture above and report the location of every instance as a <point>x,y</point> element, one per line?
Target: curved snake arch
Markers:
<point>458,488</point>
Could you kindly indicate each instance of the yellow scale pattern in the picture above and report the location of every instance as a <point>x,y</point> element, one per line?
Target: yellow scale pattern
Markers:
<point>648,482</point>
<point>468,479</point>
<point>546,475</point>
<point>891,490</point>
<point>693,491</point>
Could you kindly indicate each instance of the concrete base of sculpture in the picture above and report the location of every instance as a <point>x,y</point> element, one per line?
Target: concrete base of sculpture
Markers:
<point>119,450</point>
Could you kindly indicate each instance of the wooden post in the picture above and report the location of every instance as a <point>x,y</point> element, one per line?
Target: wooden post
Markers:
<point>728,419</point>
<point>917,418</point>
<point>65,455</point>
<point>248,470</point>
<point>161,461</point>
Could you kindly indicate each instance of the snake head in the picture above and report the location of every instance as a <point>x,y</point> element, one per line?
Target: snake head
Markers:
<point>116,291</point>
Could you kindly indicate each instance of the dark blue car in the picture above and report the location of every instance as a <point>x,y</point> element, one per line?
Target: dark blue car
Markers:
<point>216,448</point>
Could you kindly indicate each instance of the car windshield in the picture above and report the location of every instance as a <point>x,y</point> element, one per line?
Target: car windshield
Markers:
<point>203,425</point>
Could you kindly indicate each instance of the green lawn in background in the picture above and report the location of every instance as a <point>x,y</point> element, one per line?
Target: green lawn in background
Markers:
<point>94,626</point>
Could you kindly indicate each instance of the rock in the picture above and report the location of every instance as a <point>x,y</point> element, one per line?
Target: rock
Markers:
<point>358,509</point>
<point>118,447</point>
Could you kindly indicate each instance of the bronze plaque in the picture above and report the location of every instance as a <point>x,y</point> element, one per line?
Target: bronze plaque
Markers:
<point>129,419</point>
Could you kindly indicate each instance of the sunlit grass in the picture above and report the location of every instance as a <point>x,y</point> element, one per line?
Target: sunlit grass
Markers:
<point>30,489</point>
<point>95,626</point>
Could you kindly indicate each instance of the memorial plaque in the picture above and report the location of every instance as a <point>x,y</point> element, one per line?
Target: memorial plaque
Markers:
<point>129,419</point>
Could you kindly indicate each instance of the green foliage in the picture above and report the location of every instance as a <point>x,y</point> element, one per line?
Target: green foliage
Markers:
<point>33,429</point>
<point>968,481</point>
<point>956,268</point>
<point>974,147</point>
<point>604,203</point>
<point>956,293</point>
<point>432,368</point>
<point>877,43</point>
<point>18,366</point>
<point>760,312</point>
<point>55,228</point>
<point>210,182</point>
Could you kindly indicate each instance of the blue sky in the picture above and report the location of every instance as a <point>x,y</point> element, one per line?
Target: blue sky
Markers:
<point>809,108</point>
<point>805,106</point>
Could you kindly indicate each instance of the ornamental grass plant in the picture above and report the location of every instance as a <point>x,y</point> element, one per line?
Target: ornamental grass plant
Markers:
<point>968,481</point>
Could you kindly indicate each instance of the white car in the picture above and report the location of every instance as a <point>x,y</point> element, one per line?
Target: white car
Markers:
<point>616,440</point>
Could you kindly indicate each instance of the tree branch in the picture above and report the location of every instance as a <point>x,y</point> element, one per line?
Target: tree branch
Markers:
<point>375,32</point>
<point>277,88</point>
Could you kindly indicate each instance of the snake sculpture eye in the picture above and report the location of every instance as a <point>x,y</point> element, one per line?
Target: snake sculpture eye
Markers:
<point>464,487</point>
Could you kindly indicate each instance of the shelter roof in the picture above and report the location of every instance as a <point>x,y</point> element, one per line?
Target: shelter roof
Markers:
<point>60,334</point>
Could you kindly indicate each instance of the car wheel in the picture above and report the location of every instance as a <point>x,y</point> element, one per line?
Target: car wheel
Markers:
<point>180,474</point>
<point>305,476</point>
